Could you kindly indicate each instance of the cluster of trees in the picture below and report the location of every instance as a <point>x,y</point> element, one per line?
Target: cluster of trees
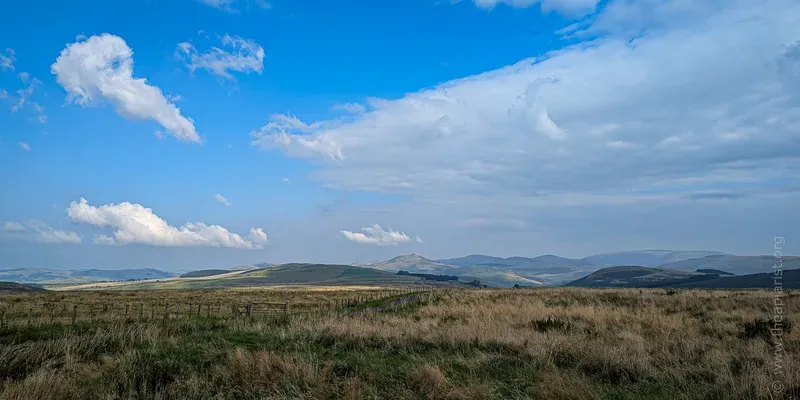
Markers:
<point>430,277</point>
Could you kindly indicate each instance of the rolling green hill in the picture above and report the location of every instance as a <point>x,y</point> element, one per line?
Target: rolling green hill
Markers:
<point>204,272</point>
<point>13,287</point>
<point>646,277</point>
<point>491,276</point>
<point>634,276</point>
<point>285,274</point>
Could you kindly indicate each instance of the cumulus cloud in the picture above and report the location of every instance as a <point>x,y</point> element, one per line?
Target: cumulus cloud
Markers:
<point>134,223</point>
<point>378,236</point>
<point>257,236</point>
<point>39,231</point>
<point>236,55</point>
<point>220,198</point>
<point>101,68</point>
<point>708,98</point>
<point>286,180</point>
<point>25,146</point>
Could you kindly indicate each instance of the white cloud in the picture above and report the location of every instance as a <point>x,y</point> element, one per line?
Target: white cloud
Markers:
<point>236,55</point>
<point>133,223</point>
<point>583,123</point>
<point>568,7</point>
<point>104,240</point>
<point>220,198</point>
<point>377,236</point>
<point>24,96</point>
<point>419,240</point>
<point>226,5</point>
<point>233,6</point>
<point>7,60</point>
<point>12,226</point>
<point>286,180</point>
<point>47,234</point>
<point>257,236</point>
<point>25,146</point>
<point>101,67</point>
<point>3,93</point>
<point>39,231</point>
<point>352,108</point>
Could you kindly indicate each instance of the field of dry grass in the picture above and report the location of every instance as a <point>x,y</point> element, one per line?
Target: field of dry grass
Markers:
<point>550,343</point>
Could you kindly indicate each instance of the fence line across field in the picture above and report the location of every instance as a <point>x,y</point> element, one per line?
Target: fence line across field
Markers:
<point>72,313</point>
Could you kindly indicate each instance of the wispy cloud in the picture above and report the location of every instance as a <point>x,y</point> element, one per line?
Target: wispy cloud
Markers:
<point>220,198</point>
<point>236,55</point>
<point>38,231</point>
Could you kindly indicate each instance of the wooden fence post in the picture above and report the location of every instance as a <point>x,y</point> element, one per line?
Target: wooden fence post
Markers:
<point>178,312</point>
<point>208,310</point>
<point>141,311</point>
<point>248,309</point>
<point>74,313</point>
<point>152,311</point>
<point>3,318</point>
<point>52,314</point>
<point>127,306</point>
<point>198,309</point>
<point>29,316</point>
<point>286,308</point>
<point>166,312</point>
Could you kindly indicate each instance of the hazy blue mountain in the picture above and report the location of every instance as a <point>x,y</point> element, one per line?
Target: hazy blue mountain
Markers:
<point>645,258</point>
<point>738,265</point>
<point>50,276</point>
<point>475,259</point>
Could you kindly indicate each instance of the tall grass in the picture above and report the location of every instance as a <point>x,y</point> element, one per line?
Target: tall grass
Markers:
<point>551,343</point>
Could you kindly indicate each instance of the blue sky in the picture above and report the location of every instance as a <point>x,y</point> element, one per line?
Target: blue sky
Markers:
<point>345,131</point>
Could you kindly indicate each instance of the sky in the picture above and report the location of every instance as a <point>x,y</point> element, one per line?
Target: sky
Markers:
<point>189,134</point>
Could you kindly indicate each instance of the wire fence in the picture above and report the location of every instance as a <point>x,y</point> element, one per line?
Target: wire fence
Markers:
<point>65,312</point>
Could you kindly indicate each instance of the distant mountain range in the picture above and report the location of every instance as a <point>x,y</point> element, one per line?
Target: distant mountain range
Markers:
<point>555,270</point>
<point>51,276</point>
<point>492,271</point>
<point>488,275</point>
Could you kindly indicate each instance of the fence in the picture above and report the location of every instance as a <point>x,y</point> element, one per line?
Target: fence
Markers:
<point>170,310</point>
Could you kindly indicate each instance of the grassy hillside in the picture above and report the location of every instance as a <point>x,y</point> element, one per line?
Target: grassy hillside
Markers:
<point>492,276</point>
<point>645,277</point>
<point>204,273</point>
<point>552,343</point>
<point>634,276</point>
<point>13,287</point>
<point>285,274</point>
<point>738,265</point>
<point>789,279</point>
